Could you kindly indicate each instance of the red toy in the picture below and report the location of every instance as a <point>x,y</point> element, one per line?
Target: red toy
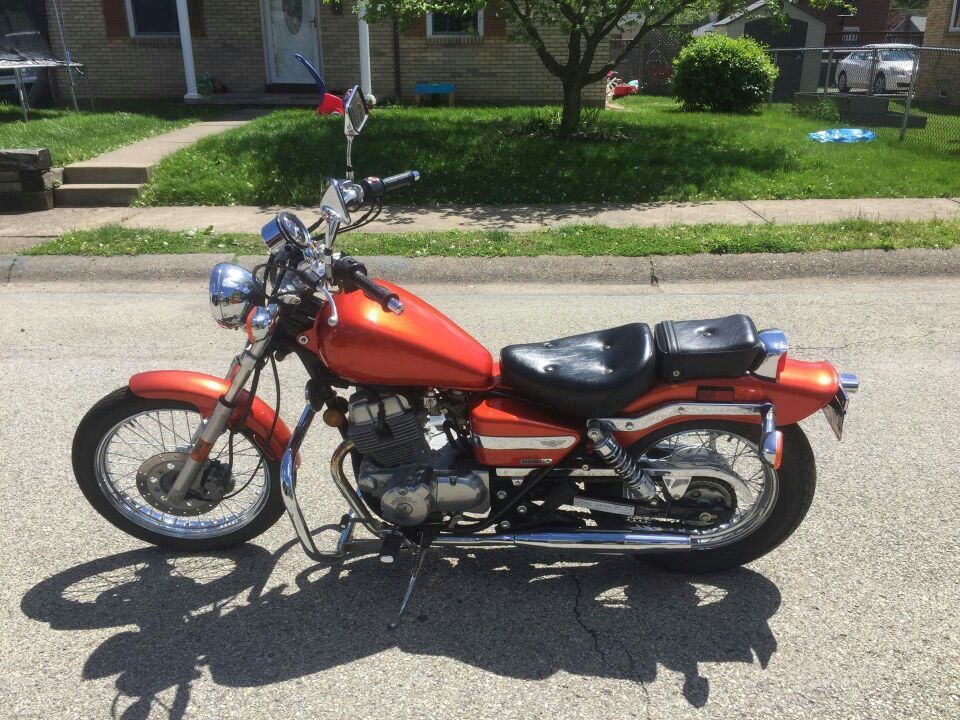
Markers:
<point>331,105</point>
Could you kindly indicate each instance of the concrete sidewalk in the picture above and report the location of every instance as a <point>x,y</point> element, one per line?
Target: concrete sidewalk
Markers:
<point>19,231</point>
<point>114,178</point>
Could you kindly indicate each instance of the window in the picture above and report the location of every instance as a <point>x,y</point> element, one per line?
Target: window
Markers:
<point>440,25</point>
<point>955,17</point>
<point>152,17</point>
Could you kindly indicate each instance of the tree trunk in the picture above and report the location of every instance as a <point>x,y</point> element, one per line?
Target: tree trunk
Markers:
<point>572,102</point>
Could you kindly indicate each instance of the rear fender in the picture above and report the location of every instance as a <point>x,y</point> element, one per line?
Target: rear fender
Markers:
<point>801,389</point>
<point>203,391</point>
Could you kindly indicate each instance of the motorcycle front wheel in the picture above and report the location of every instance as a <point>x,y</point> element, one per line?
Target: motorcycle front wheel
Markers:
<point>127,452</point>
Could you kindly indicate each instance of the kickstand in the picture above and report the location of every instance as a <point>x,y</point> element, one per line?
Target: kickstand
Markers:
<point>419,554</point>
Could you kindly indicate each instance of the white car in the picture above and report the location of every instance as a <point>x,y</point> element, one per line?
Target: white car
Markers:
<point>882,68</point>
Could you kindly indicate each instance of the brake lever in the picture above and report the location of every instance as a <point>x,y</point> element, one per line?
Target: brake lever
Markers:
<point>334,318</point>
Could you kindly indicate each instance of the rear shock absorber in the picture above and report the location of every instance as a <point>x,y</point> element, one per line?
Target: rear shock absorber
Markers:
<point>605,445</point>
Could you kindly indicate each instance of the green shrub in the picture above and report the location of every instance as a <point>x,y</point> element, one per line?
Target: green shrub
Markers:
<point>718,73</point>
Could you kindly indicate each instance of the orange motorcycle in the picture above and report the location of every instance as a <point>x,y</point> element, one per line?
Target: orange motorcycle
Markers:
<point>679,443</point>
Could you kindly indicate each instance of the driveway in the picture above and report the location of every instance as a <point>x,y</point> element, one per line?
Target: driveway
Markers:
<point>855,617</point>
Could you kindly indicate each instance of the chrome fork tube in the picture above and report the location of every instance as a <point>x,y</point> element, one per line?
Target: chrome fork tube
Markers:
<point>212,428</point>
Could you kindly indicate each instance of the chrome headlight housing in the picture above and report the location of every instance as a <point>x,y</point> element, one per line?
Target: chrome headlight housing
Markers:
<point>233,294</point>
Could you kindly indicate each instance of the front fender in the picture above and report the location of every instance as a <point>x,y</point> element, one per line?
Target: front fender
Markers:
<point>203,391</point>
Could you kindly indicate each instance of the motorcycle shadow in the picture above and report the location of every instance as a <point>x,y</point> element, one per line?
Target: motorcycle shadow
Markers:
<point>516,613</point>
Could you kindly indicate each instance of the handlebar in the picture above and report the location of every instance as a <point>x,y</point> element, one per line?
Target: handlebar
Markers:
<point>374,187</point>
<point>353,274</point>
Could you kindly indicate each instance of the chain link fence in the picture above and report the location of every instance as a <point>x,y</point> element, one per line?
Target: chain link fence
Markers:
<point>651,62</point>
<point>909,92</point>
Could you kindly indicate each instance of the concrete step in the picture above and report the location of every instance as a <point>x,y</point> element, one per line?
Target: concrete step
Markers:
<point>105,174</point>
<point>96,195</point>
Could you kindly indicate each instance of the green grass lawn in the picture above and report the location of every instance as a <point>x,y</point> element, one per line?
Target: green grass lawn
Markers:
<point>496,156</point>
<point>573,240</point>
<point>73,136</point>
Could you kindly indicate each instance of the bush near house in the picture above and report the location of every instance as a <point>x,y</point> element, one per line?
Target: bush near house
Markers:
<point>723,74</point>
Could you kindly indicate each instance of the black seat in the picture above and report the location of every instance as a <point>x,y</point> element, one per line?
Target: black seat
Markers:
<point>592,375</point>
<point>691,349</point>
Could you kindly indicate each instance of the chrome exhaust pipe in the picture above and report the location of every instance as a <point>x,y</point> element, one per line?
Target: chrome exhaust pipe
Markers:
<point>601,541</point>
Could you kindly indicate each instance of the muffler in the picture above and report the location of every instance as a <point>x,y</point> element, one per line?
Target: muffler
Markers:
<point>602,541</point>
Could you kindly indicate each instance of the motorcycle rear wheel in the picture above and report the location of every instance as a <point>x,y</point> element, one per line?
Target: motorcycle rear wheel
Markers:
<point>116,460</point>
<point>795,484</point>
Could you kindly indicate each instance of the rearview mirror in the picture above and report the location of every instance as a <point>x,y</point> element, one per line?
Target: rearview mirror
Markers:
<point>333,209</point>
<point>355,113</point>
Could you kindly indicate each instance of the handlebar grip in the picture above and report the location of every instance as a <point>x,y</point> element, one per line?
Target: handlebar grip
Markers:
<point>375,292</point>
<point>402,180</point>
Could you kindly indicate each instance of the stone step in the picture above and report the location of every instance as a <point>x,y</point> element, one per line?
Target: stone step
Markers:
<point>105,174</point>
<point>96,195</point>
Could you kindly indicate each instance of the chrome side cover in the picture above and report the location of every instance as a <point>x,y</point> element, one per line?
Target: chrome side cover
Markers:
<point>550,442</point>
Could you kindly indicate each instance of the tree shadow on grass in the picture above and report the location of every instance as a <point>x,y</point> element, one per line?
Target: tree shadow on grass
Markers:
<point>514,613</point>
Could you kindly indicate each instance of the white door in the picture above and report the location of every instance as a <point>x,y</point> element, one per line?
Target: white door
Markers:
<point>290,27</point>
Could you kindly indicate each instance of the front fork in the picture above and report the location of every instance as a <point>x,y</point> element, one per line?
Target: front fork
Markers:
<point>213,427</point>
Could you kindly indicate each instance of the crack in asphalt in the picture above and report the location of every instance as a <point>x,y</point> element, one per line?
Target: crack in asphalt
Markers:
<point>13,264</point>
<point>598,646</point>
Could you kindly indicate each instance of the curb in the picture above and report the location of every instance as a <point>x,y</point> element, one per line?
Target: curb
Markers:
<point>653,270</point>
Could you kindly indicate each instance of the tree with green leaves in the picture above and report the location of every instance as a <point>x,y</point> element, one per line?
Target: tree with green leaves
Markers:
<point>582,58</point>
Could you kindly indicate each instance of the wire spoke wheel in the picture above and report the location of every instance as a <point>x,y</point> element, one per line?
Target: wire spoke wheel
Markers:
<point>734,475</point>
<point>139,458</point>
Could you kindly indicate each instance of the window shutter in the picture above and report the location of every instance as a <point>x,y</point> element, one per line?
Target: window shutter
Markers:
<point>418,28</point>
<point>115,18</point>
<point>495,20</point>
<point>198,27</point>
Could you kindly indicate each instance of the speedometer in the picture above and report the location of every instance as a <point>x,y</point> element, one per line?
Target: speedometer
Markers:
<point>286,227</point>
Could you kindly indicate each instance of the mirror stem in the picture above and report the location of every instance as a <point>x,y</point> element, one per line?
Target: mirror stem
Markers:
<point>349,158</point>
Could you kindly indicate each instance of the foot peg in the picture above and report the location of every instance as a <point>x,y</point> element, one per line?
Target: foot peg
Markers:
<point>390,549</point>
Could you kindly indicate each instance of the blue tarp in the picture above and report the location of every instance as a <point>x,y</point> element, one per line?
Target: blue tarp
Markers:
<point>843,135</point>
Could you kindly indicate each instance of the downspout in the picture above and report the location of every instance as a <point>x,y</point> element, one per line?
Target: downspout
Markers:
<point>365,80</point>
<point>186,46</point>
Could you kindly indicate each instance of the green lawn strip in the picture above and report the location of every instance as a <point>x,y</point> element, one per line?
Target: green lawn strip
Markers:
<point>570,240</point>
<point>499,156</point>
<point>73,136</point>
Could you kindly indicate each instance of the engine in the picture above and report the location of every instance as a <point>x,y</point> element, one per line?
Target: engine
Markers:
<point>417,478</point>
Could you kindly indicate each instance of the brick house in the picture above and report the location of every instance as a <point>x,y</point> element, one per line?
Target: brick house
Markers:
<point>939,77</point>
<point>866,25</point>
<point>133,48</point>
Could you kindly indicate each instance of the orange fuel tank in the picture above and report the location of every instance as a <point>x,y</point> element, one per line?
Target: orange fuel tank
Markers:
<point>421,347</point>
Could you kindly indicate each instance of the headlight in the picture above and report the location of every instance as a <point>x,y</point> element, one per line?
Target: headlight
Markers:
<point>233,293</point>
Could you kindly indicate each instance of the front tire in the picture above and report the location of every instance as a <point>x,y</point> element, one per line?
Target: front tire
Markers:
<point>141,515</point>
<point>797,481</point>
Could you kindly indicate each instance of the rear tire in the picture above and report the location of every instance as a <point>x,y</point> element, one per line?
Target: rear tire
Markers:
<point>98,423</point>
<point>797,479</point>
<point>880,84</point>
<point>842,83</point>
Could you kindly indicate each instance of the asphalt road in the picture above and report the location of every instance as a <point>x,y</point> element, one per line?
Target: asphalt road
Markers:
<point>855,617</point>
